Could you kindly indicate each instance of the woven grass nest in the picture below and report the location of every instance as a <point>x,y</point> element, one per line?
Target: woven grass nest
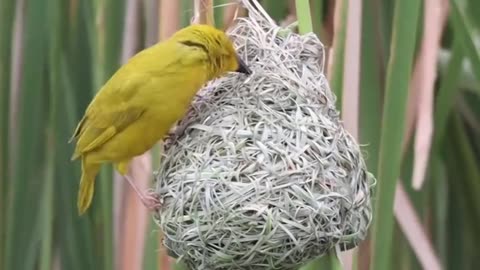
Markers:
<point>263,175</point>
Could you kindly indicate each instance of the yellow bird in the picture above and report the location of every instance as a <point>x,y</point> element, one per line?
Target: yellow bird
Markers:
<point>140,103</point>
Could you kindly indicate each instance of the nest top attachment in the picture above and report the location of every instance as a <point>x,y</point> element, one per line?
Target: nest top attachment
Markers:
<point>264,176</point>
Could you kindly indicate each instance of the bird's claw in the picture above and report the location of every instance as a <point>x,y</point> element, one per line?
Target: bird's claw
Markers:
<point>152,200</point>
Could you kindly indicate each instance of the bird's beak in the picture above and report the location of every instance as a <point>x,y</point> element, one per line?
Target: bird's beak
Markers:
<point>242,67</point>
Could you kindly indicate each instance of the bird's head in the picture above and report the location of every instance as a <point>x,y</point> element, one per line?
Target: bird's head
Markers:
<point>221,57</point>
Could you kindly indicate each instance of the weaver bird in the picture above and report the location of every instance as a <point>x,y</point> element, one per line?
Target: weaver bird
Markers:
<point>139,104</point>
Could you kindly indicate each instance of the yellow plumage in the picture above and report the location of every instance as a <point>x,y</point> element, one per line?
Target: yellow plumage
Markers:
<point>141,102</point>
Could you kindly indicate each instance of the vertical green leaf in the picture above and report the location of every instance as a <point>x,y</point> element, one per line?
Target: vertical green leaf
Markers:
<point>317,17</point>
<point>370,89</point>
<point>54,47</point>
<point>7,10</point>
<point>336,81</point>
<point>370,92</point>
<point>463,185</point>
<point>152,245</point>
<point>469,166</point>
<point>114,16</point>
<point>186,12</point>
<point>277,9</point>
<point>456,244</point>
<point>440,202</point>
<point>384,13</point>
<point>24,212</point>
<point>6,23</point>
<point>393,122</point>
<point>446,94</point>
<point>305,18</point>
<point>75,234</point>
<point>218,12</point>
<point>444,105</point>
<point>102,22</point>
<point>109,37</point>
<point>466,32</point>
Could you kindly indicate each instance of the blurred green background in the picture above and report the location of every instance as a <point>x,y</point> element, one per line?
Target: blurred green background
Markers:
<point>410,68</point>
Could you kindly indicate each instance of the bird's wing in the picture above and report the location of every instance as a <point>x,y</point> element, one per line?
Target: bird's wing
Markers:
<point>99,127</point>
<point>110,113</point>
<point>114,108</point>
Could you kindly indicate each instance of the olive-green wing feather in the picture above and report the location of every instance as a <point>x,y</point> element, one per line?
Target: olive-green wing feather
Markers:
<point>99,127</point>
<point>109,113</point>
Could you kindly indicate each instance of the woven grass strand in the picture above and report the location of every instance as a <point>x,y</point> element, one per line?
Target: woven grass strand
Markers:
<point>263,174</point>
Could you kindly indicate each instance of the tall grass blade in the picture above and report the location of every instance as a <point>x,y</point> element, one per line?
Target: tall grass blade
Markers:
<point>435,16</point>
<point>277,9</point>
<point>393,122</point>
<point>370,104</point>
<point>441,200</point>
<point>338,59</point>
<point>218,12</point>
<point>471,171</point>
<point>23,226</point>
<point>186,12</point>
<point>444,105</point>
<point>304,17</point>
<point>317,9</point>
<point>74,235</point>
<point>464,211</point>
<point>465,30</point>
<point>7,12</point>
<point>447,92</point>
<point>411,226</point>
<point>114,22</point>
<point>54,14</point>
<point>370,90</point>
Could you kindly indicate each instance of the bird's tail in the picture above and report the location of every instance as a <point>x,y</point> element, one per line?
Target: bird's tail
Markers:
<point>87,185</point>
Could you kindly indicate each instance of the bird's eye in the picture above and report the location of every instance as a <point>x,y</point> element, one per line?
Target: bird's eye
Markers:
<point>195,44</point>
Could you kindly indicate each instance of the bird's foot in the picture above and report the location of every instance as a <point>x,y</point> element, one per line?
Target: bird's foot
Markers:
<point>152,200</point>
